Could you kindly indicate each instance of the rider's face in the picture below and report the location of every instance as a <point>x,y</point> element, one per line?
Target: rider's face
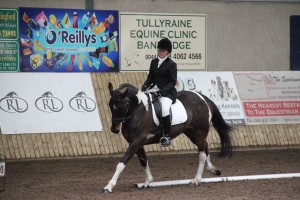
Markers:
<point>162,53</point>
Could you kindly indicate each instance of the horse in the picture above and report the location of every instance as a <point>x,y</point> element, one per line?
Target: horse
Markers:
<point>132,113</point>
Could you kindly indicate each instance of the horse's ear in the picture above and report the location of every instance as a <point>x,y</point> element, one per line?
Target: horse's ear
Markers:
<point>124,94</point>
<point>110,87</point>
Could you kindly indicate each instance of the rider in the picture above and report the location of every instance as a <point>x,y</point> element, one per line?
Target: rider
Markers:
<point>162,77</point>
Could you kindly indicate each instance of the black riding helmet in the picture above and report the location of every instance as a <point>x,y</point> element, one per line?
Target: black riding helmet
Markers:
<point>165,43</point>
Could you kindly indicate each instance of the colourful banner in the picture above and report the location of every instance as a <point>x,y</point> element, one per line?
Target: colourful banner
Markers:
<point>269,97</point>
<point>142,31</point>
<point>69,40</point>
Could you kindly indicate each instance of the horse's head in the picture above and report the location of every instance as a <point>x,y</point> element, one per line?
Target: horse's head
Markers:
<point>119,105</point>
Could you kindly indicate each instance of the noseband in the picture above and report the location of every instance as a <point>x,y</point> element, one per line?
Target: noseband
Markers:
<point>123,119</point>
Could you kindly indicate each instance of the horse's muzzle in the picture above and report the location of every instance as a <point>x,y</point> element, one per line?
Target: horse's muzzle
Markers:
<point>115,130</point>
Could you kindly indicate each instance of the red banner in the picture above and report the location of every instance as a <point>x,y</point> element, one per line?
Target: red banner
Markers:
<point>275,108</point>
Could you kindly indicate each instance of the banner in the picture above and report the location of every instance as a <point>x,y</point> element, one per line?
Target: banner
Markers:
<point>295,42</point>
<point>44,103</point>
<point>141,32</point>
<point>269,97</point>
<point>69,40</point>
<point>9,45</point>
<point>220,87</point>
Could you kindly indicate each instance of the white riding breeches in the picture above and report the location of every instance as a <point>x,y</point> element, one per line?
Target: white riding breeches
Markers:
<point>165,102</point>
<point>165,105</point>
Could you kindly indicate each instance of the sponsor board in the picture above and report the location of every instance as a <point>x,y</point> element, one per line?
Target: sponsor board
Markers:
<point>44,103</point>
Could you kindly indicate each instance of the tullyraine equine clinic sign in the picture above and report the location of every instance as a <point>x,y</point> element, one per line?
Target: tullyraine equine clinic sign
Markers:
<point>140,33</point>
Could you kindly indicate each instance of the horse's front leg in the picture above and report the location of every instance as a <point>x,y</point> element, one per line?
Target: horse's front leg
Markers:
<point>144,162</point>
<point>132,149</point>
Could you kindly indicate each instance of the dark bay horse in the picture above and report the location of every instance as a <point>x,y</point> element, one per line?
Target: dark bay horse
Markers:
<point>131,110</point>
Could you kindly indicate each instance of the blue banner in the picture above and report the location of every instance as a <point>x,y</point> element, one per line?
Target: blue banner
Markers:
<point>69,40</point>
<point>295,42</point>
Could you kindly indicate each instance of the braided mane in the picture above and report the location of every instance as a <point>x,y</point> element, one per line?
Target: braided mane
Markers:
<point>132,89</point>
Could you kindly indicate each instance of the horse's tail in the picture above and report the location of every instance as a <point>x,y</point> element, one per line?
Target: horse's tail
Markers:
<point>222,128</point>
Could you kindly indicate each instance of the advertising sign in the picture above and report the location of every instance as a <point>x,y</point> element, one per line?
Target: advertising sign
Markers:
<point>69,40</point>
<point>220,87</point>
<point>8,24</point>
<point>142,31</point>
<point>9,46</point>
<point>269,97</point>
<point>46,103</point>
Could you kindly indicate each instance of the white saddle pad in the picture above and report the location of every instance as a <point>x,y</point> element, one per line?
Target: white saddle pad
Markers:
<point>179,114</point>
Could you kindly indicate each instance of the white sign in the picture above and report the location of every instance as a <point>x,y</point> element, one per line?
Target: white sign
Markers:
<point>220,87</point>
<point>270,97</point>
<point>2,168</point>
<point>140,33</point>
<point>46,102</point>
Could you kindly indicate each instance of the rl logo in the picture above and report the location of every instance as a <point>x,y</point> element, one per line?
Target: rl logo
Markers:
<point>11,103</point>
<point>82,103</point>
<point>49,103</point>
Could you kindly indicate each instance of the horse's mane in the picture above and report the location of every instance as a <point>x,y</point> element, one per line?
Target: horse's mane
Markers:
<point>132,91</point>
<point>131,88</point>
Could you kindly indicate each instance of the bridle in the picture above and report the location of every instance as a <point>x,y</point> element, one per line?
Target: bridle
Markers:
<point>123,119</point>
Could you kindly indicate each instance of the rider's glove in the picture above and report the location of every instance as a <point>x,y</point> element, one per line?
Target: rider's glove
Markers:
<point>144,88</point>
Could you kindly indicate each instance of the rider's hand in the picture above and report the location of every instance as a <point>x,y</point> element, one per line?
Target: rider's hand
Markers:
<point>158,93</point>
<point>144,88</point>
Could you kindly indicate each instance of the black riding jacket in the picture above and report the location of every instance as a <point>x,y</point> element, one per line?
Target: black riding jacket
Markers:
<point>164,77</point>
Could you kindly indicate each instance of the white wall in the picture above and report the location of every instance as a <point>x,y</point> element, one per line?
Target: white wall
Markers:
<point>246,36</point>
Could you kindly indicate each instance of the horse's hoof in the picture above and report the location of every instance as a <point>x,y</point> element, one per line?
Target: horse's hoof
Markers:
<point>193,184</point>
<point>218,172</point>
<point>105,191</point>
<point>145,187</point>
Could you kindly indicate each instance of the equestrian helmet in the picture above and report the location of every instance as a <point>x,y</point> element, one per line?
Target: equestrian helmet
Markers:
<point>165,43</point>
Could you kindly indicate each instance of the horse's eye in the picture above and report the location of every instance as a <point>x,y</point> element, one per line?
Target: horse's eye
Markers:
<point>114,107</point>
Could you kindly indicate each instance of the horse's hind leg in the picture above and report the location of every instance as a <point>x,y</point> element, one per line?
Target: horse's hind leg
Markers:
<point>198,177</point>
<point>198,138</point>
<point>209,166</point>
<point>144,162</point>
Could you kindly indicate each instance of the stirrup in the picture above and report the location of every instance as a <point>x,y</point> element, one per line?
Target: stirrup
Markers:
<point>165,141</point>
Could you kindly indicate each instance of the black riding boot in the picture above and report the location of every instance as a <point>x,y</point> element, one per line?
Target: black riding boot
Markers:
<point>166,139</point>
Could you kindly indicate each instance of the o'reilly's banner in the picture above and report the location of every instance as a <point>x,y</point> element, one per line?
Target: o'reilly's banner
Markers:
<point>44,103</point>
<point>140,33</point>
<point>69,40</point>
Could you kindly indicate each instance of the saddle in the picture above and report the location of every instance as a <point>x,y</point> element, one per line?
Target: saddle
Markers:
<point>178,113</point>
